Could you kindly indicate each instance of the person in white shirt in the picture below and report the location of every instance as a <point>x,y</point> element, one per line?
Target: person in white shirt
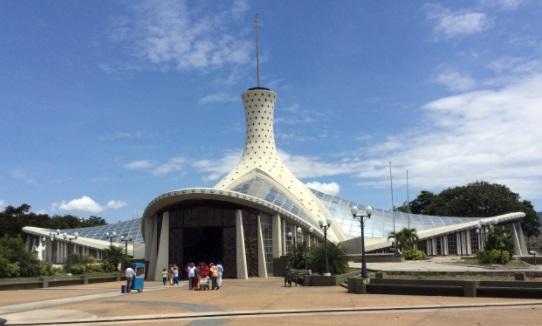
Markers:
<point>130,275</point>
<point>191,271</point>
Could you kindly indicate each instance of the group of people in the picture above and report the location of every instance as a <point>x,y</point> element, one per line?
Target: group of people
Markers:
<point>200,277</point>
<point>171,275</point>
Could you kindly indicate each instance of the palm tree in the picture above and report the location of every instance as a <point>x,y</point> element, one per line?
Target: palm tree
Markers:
<point>406,238</point>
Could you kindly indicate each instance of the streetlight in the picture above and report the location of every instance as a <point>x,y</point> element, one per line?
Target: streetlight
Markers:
<point>361,215</point>
<point>324,225</point>
<point>70,238</point>
<point>111,236</point>
<point>126,240</point>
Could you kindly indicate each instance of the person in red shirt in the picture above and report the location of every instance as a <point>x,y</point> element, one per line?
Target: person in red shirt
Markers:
<point>203,275</point>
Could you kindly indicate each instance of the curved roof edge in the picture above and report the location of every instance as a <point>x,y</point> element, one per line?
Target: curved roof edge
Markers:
<point>176,196</point>
<point>83,241</point>
<point>382,243</point>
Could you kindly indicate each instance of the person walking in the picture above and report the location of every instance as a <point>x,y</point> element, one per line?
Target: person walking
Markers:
<point>164,276</point>
<point>129,273</point>
<point>203,276</point>
<point>175,275</point>
<point>220,270</point>
<point>213,271</point>
<point>170,275</point>
<point>191,272</point>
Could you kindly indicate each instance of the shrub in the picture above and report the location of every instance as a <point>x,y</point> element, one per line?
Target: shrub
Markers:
<point>78,269</point>
<point>412,254</point>
<point>17,260</point>
<point>338,261</point>
<point>8,269</point>
<point>494,256</point>
<point>47,269</point>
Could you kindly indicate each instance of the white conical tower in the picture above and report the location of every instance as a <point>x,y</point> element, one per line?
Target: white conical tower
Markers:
<point>260,157</point>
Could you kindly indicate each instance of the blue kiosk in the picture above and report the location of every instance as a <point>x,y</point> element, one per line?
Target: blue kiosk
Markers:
<point>139,280</point>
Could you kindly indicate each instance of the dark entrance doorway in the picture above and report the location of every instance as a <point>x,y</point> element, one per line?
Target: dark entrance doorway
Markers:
<point>203,244</point>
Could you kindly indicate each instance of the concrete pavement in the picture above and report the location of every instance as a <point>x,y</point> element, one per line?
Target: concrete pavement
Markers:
<point>241,301</point>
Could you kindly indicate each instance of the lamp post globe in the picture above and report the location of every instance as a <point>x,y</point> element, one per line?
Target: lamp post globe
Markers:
<point>324,225</point>
<point>361,215</point>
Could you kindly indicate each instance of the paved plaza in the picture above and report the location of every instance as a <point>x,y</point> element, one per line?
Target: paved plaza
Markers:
<point>254,301</point>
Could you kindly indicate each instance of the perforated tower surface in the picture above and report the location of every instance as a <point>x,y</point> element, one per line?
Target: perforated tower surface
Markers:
<point>260,158</point>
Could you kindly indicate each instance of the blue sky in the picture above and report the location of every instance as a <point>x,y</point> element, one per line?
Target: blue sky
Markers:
<point>106,104</point>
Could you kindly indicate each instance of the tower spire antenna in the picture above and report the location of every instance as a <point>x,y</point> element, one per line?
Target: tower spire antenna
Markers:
<point>257,28</point>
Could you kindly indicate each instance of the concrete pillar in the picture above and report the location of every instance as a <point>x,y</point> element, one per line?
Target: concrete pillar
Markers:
<point>459,246</point>
<point>162,259</point>
<point>445,245</point>
<point>469,240</point>
<point>434,245</point>
<point>283,236</point>
<point>277,236</point>
<point>241,258</point>
<point>464,236</point>
<point>262,266</point>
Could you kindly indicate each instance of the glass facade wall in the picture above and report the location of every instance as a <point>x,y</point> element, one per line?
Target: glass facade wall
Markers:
<point>267,234</point>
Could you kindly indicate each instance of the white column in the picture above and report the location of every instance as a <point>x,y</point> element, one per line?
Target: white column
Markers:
<point>458,240</point>
<point>469,240</point>
<point>262,266</point>
<point>277,236</point>
<point>151,244</point>
<point>241,257</point>
<point>464,241</point>
<point>445,245</point>
<point>283,236</point>
<point>162,260</point>
<point>435,248</point>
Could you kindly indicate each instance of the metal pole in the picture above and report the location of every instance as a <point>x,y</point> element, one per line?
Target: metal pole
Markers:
<point>408,199</point>
<point>69,267</point>
<point>392,203</point>
<point>363,259</point>
<point>257,26</point>
<point>325,249</point>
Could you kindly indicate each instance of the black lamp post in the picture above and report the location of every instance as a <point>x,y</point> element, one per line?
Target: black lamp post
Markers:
<point>361,215</point>
<point>111,236</point>
<point>126,240</point>
<point>70,238</point>
<point>324,225</point>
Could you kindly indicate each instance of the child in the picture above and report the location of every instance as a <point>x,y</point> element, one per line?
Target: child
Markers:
<point>175,275</point>
<point>164,276</point>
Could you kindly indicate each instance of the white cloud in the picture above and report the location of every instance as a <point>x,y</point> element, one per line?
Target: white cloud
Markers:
<point>3,204</point>
<point>219,98</point>
<point>516,65</point>
<point>172,165</point>
<point>313,167</point>
<point>86,204</point>
<point>214,169</point>
<point>138,165</point>
<point>21,174</point>
<point>456,81</point>
<point>504,4</point>
<point>173,34</point>
<point>491,135</point>
<point>331,188</point>
<point>450,24</point>
<point>240,7</point>
<point>116,204</point>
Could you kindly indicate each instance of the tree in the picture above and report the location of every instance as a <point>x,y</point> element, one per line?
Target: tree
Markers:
<point>15,260</point>
<point>112,257</point>
<point>13,219</point>
<point>478,199</point>
<point>92,221</point>
<point>499,246</point>
<point>337,259</point>
<point>420,204</point>
<point>406,238</point>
